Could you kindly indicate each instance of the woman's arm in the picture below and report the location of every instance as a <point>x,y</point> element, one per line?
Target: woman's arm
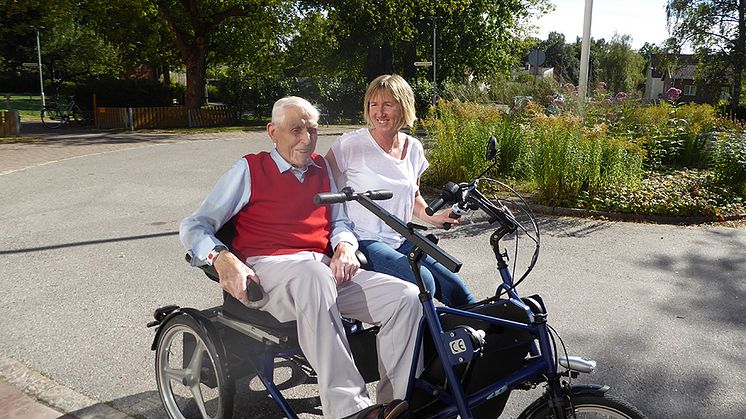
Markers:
<point>437,219</point>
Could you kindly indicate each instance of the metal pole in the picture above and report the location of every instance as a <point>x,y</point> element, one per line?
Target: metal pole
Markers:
<point>584,58</point>
<point>435,49</point>
<point>41,78</point>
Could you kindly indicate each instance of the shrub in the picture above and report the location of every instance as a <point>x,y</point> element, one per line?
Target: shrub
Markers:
<point>728,161</point>
<point>688,192</point>
<point>567,160</point>
<point>459,133</point>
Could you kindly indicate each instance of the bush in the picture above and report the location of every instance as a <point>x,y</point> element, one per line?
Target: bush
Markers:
<point>122,93</point>
<point>685,193</point>
<point>567,160</point>
<point>728,161</point>
<point>459,133</point>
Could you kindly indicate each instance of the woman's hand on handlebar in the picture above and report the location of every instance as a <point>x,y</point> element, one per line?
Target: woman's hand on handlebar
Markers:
<point>442,218</point>
<point>233,275</point>
<point>344,263</point>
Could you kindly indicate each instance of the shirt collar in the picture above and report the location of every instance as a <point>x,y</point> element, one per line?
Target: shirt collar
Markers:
<point>284,166</point>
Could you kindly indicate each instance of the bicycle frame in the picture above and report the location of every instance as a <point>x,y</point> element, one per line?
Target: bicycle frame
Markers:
<point>541,362</point>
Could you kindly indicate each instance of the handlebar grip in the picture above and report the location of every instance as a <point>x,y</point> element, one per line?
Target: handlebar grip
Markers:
<point>454,215</point>
<point>253,291</point>
<point>325,198</point>
<point>379,194</point>
<point>434,206</point>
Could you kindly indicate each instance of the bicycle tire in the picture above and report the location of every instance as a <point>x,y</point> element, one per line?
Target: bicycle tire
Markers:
<point>51,117</point>
<point>592,405</point>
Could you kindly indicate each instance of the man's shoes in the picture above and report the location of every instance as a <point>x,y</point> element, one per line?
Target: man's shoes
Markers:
<point>391,410</point>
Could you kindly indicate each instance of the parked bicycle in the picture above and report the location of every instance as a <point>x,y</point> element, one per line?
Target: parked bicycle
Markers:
<point>55,114</point>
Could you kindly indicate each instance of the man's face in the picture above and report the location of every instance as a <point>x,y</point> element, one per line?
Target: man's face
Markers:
<point>295,137</point>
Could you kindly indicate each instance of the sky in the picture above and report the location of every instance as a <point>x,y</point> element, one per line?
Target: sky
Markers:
<point>643,20</point>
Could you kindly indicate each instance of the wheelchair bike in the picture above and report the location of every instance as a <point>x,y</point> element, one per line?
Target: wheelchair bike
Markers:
<point>474,356</point>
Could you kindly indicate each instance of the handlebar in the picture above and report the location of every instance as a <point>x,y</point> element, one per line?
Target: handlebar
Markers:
<point>466,196</point>
<point>366,200</point>
<point>347,194</point>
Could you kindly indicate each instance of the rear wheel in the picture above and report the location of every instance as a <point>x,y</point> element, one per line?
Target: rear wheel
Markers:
<point>192,380</point>
<point>595,406</point>
<point>51,117</point>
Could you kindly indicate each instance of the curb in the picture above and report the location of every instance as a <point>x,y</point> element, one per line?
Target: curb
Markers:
<point>430,193</point>
<point>52,394</point>
<point>640,218</point>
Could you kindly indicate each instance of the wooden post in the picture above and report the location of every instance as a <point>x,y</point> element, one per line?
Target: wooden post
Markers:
<point>94,111</point>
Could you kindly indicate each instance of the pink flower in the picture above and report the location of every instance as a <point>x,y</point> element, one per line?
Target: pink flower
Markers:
<point>620,96</point>
<point>672,94</point>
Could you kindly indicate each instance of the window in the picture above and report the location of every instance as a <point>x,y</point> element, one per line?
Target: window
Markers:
<point>690,90</point>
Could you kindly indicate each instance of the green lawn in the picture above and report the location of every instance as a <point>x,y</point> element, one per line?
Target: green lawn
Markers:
<point>29,107</point>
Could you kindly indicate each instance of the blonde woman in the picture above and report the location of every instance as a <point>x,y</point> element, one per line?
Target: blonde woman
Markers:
<point>382,157</point>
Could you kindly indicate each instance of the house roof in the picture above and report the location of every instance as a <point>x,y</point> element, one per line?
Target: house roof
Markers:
<point>684,73</point>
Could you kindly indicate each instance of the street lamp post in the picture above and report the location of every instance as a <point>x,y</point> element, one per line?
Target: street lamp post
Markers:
<point>435,49</point>
<point>41,78</point>
<point>584,57</point>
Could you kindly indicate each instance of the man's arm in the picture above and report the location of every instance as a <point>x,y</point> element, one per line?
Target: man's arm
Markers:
<point>197,232</point>
<point>344,263</point>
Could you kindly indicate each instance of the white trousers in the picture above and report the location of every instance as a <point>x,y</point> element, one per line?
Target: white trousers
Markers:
<point>301,287</point>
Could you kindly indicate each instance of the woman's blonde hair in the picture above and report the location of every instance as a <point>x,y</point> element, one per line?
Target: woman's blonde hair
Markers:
<point>400,90</point>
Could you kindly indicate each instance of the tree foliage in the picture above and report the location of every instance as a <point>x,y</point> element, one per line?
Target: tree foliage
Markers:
<point>716,29</point>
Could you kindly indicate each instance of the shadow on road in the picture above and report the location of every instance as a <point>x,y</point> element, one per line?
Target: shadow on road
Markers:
<point>88,243</point>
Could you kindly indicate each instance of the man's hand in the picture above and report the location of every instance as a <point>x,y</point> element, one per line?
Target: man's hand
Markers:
<point>344,264</point>
<point>233,273</point>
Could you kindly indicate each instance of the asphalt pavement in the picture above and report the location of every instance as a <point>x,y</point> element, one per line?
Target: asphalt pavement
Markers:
<point>89,248</point>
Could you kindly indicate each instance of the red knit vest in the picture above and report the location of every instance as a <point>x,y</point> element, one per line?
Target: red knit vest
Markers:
<point>281,217</point>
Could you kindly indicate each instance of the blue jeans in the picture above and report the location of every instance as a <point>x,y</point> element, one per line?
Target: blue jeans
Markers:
<point>444,285</point>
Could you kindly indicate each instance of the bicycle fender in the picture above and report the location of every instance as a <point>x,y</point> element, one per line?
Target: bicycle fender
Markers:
<point>198,317</point>
<point>575,390</point>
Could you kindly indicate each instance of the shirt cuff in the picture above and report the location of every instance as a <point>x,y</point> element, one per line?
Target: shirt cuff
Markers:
<point>345,236</point>
<point>203,248</point>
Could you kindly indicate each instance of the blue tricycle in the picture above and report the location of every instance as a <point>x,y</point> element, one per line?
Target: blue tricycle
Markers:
<point>474,356</point>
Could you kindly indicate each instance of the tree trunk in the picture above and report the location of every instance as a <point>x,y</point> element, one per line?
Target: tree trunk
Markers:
<point>379,61</point>
<point>166,75</point>
<point>740,56</point>
<point>194,59</point>
<point>410,56</point>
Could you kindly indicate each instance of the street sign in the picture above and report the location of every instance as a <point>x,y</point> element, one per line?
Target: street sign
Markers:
<point>536,57</point>
<point>30,65</point>
<point>423,63</point>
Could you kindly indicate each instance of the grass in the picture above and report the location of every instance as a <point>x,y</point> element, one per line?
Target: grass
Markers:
<point>28,106</point>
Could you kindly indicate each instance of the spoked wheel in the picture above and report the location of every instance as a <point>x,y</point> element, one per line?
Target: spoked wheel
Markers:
<point>592,406</point>
<point>51,118</point>
<point>192,379</point>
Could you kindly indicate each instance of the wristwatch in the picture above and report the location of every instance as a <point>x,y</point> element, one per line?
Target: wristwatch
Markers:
<point>214,254</point>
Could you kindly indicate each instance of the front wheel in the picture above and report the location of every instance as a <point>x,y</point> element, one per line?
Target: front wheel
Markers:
<point>594,406</point>
<point>51,117</point>
<point>193,380</point>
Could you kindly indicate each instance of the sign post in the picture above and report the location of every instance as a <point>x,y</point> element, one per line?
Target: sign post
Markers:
<point>41,78</point>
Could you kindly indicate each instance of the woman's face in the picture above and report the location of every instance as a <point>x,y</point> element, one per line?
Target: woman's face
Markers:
<point>384,112</point>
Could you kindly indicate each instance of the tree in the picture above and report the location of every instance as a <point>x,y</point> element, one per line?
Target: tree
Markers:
<point>562,57</point>
<point>195,23</point>
<point>620,67</point>
<point>716,29</point>
<point>390,35</point>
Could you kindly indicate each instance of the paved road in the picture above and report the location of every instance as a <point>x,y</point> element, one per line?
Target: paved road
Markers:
<point>89,248</point>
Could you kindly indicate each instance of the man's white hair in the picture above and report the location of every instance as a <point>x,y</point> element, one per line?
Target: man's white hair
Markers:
<point>278,110</point>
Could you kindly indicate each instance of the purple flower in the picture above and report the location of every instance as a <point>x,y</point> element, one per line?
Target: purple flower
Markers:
<point>672,94</point>
<point>620,96</point>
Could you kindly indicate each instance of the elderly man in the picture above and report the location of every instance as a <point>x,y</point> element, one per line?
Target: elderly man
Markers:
<point>283,241</point>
